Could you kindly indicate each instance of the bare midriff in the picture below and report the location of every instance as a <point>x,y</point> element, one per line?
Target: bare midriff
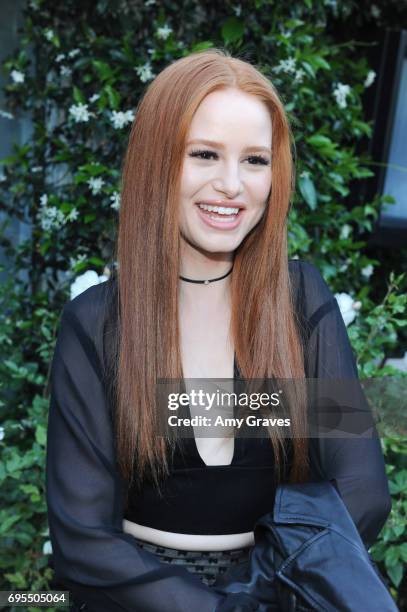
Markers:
<point>186,541</point>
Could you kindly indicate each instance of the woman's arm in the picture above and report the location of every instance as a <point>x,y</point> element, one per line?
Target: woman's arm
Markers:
<point>92,555</point>
<point>355,464</point>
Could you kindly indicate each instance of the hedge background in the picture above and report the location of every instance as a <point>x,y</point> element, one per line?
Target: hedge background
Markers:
<point>79,71</point>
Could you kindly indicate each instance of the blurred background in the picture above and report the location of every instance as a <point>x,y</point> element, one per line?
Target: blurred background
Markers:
<point>72,74</point>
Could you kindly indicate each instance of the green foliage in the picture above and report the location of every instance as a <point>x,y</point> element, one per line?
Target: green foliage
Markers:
<point>79,72</point>
<point>391,549</point>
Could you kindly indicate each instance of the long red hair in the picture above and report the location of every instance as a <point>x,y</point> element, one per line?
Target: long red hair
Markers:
<point>263,328</point>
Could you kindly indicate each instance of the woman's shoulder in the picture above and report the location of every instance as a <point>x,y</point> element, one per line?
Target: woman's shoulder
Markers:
<point>92,305</point>
<point>306,269</point>
<point>310,290</point>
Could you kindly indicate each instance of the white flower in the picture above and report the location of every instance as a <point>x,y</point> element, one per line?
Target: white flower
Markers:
<point>60,57</point>
<point>51,217</point>
<point>145,72</point>
<point>119,118</point>
<point>80,112</point>
<point>49,34</point>
<point>345,232</point>
<point>237,10</point>
<point>96,184</point>
<point>1,433</point>
<point>74,261</point>
<point>36,169</point>
<point>2,177</point>
<point>287,65</point>
<point>17,76</point>
<point>115,200</point>
<point>347,306</point>
<point>367,271</point>
<point>149,3</point>
<point>375,11</point>
<point>6,115</point>
<point>94,98</point>
<point>299,75</point>
<point>44,199</point>
<point>74,52</point>
<point>371,75</point>
<point>286,33</point>
<point>345,265</point>
<point>65,71</point>
<point>47,548</point>
<point>340,92</point>
<point>72,215</point>
<point>164,32</point>
<point>84,281</point>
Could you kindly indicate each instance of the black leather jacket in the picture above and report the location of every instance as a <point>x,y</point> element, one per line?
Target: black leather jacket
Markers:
<point>308,555</point>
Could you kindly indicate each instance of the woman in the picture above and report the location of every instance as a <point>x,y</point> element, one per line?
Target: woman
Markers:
<point>204,291</point>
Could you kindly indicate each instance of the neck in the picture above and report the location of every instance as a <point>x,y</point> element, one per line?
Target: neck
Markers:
<point>203,266</point>
<point>200,265</point>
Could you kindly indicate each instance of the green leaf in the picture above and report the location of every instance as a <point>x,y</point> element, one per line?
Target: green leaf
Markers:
<point>8,522</point>
<point>103,70</point>
<point>23,538</point>
<point>16,579</point>
<point>396,574</point>
<point>13,464</point>
<point>96,261</point>
<point>201,46</point>
<point>320,62</point>
<point>392,556</point>
<point>320,141</point>
<point>78,95</point>
<point>232,30</point>
<point>89,217</point>
<point>308,192</point>
<point>41,435</point>
<point>113,96</point>
<point>363,173</point>
<point>29,488</point>
<point>309,70</point>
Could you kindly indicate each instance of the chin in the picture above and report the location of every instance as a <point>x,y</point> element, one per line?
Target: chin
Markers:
<point>217,244</point>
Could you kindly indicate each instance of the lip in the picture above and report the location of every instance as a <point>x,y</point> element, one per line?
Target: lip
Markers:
<point>222,225</point>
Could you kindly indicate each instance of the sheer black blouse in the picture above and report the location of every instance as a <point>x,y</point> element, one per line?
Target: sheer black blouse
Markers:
<point>92,555</point>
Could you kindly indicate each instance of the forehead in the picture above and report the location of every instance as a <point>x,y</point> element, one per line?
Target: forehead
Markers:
<point>232,113</point>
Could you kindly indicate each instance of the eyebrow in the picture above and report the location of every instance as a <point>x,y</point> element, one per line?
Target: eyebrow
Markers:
<point>219,145</point>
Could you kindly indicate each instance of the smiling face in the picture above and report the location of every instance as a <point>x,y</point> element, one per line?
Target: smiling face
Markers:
<point>226,173</point>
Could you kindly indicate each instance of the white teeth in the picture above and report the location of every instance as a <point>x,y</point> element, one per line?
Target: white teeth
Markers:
<point>221,210</point>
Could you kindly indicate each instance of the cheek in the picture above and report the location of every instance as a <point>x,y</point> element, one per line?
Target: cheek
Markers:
<point>192,179</point>
<point>261,189</point>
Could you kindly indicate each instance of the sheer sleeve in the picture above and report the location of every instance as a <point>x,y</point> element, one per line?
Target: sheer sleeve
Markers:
<point>98,562</point>
<point>355,465</point>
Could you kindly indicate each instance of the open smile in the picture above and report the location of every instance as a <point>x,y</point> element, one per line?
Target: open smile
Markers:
<point>220,217</point>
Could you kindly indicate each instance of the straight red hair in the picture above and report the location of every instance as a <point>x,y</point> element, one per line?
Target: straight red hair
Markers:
<point>263,328</point>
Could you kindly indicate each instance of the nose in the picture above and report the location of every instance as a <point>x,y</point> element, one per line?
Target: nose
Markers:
<point>228,181</point>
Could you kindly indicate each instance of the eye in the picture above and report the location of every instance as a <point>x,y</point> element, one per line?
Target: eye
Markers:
<point>258,160</point>
<point>254,160</point>
<point>203,154</point>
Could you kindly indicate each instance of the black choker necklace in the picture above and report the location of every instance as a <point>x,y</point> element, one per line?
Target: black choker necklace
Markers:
<point>206,282</point>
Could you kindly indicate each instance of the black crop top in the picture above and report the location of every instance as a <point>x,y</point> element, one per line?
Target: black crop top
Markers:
<point>85,493</point>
